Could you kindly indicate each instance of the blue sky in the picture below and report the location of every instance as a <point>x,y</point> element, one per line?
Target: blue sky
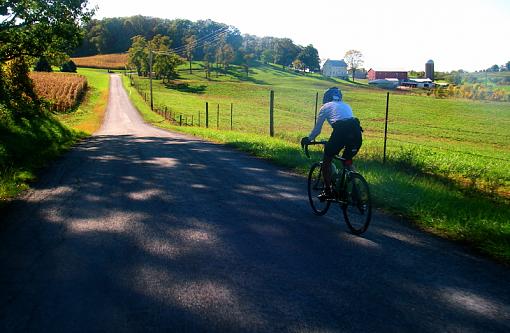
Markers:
<point>392,34</point>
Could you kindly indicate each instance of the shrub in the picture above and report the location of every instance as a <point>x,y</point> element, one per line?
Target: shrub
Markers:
<point>68,66</point>
<point>42,65</point>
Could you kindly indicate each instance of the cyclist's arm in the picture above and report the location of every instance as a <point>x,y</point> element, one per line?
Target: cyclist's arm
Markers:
<point>318,126</point>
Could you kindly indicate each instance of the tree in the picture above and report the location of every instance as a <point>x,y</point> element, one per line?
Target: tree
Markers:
<point>267,56</point>
<point>136,53</point>
<point>309,56</point>
<point>298,64</point>
<point>494,68</point>
<point>285,52</point>
<point>190,47</point>
<point>354,60</point>
<point>507,65</point>
<point>165,63</point>
<point>208,57</point>
<point>33,27</point>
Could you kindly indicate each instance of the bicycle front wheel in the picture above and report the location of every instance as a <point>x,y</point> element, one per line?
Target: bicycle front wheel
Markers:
<point>358,206</point>
<point>315,187</point>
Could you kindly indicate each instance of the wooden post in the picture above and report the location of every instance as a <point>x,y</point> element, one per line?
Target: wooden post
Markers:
<point>150,78</point>
<point>180,120</point>
<point>271,113</point>
<point>386,126</point>
<point>218,117</point>
<point>198,118</point>
<point>316,105</point>
<point>231,114</point>
<point>206,114</point>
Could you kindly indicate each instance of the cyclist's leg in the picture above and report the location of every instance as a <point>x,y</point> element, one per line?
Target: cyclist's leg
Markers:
<point>335,144</point>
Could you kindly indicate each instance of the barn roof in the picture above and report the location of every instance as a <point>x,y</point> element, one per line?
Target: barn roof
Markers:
<point>336,63</point>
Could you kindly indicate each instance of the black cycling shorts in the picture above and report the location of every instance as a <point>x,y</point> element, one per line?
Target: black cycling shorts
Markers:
<point>346,134</point>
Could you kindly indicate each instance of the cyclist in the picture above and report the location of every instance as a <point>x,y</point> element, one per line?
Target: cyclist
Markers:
<point>346,134</point>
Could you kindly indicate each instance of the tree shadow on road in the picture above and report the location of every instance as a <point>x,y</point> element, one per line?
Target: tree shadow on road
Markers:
<point>145,233</point>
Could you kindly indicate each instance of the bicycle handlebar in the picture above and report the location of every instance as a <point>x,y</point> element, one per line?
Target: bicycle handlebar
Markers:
<point>311,144</point>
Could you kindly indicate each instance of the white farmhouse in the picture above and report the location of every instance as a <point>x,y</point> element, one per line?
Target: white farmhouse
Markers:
<point>335,68</point>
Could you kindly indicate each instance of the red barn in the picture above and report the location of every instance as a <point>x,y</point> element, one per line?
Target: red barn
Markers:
<point>376,75</point>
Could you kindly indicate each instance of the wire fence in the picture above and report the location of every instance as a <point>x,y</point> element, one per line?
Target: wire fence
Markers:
<point>210,117</point>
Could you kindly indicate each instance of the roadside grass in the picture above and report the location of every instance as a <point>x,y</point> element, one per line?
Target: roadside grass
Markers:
<point>88,116</point>
<point>28,143</point>
<point>433,202</point>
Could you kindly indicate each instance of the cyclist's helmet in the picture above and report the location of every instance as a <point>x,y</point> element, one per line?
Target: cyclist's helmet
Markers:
<point>332,94</point>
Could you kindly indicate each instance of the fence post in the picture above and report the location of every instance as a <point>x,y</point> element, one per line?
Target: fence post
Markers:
<point>218,117</point>
<point>231,114</point>
<point>198,118</point>
<point>206,114</point>
<point>180,120</point>
<point>316,105</point>
<point>271,113</point>
<point>386,126</point>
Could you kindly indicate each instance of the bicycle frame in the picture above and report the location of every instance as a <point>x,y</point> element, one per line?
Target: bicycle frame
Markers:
<point>336,175</point>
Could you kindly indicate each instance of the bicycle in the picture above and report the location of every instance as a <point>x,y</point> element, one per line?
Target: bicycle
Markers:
<point>350,191</point>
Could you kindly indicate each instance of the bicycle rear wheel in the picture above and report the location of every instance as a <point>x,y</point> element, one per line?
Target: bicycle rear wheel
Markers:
<point>315,187</point>
<point>358,206</point>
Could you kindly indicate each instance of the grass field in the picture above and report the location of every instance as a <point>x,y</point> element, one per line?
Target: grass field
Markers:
<point>441,206</point>
<point>461,140</point>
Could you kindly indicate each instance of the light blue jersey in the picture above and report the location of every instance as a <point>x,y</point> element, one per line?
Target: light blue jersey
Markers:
<point>332,112</point>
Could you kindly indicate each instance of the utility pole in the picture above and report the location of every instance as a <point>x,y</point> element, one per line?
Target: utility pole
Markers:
<point>150,77</point>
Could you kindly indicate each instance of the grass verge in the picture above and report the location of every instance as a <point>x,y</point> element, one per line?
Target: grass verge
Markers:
<point>434,204</point>
<point>30,142</point>
<point>88,116</point>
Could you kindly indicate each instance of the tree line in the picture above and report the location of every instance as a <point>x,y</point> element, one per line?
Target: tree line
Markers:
<point>200,40</point>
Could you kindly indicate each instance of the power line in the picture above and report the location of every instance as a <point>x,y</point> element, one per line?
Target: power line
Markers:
<point>202,40</point>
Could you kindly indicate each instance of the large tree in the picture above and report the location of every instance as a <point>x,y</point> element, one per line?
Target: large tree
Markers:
<point>285,51</point>
<point>354,60</point>
<point>309,56</point>
<point>35,27</point>
<point>136,53</point>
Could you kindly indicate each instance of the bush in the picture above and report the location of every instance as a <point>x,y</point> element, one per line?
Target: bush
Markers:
<point>68,66</point>
<point>42,65</point>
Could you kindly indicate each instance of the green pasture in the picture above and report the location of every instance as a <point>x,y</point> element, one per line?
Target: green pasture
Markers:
<point>456,139</point>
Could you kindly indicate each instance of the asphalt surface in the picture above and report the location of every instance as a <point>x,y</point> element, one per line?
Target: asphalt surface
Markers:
<point>138,229</point>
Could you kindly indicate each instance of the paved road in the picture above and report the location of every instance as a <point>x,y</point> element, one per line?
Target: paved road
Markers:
<point>138,229</point>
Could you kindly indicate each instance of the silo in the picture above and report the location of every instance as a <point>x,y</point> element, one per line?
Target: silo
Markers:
<point>429,70</point>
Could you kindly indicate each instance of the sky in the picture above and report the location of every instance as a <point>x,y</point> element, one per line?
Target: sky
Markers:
<point>391,34</point>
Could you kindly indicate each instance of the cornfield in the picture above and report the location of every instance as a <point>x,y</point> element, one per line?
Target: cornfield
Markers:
<point>62,90</point>
<point>103,61</point>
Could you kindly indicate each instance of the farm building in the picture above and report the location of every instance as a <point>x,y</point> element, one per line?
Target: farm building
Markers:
<point>385,83</point>
<point>335,68</point>
<point>418,83</point>
<point>379,75</point>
